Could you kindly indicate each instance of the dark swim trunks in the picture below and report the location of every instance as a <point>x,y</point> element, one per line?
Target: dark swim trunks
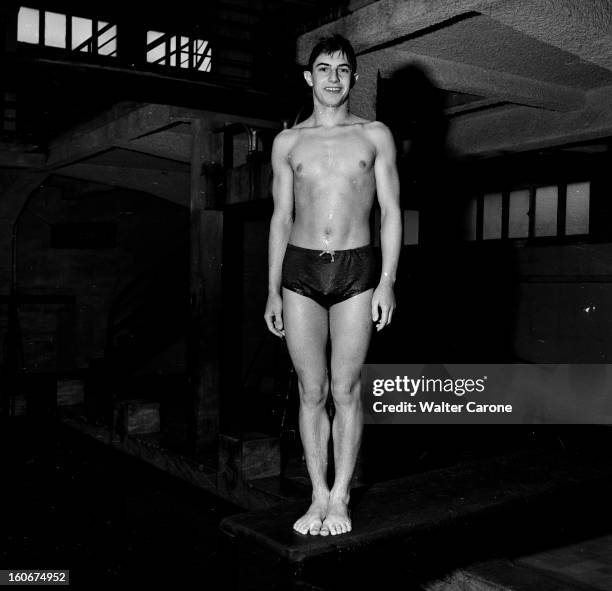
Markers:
<point>329,277</point>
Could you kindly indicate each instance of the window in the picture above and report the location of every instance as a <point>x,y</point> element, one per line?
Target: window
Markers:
<point>74,33</point>
<point>28,25</point>
<point>55,29</point>
<point>107,38</point>
<point>82,29</point>
<point>577,216</point>
<point>546,205</point>
<point>518,223</point>
<point>178,51</point>
<point>535,212</point>
<point>492,216</point>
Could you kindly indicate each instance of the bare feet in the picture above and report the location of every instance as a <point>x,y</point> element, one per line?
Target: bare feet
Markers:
<point>337,521</point>
<point>311,521</point>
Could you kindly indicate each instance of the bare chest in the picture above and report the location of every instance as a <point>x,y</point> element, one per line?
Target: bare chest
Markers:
<point>319,158</point>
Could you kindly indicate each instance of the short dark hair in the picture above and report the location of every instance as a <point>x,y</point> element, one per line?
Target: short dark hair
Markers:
<point>333,44</point>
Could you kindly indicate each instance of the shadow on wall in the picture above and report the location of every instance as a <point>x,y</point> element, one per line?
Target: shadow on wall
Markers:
<point>456,299</point>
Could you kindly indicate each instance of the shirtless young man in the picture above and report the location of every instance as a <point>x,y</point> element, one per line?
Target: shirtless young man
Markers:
<point>331,165</point>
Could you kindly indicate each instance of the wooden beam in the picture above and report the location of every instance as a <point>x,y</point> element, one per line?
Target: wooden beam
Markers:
<point>206,248</point>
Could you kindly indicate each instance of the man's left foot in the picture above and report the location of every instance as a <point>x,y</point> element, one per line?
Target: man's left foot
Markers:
<point>337,521</point>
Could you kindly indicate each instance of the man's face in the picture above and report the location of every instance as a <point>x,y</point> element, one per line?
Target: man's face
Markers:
<point>330,79</point>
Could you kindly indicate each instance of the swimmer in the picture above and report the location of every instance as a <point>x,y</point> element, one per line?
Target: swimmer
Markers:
<point>323,278</point>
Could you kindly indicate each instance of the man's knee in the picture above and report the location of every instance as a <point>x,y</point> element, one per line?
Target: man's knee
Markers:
<point>345,391</point>
<point>312,392</point>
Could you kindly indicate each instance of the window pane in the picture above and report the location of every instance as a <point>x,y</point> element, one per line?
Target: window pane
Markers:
<point>81,32</point>
<point>55,29</point>
<point>546,211</point>
<point>173,51</point>
<point>492,216</point>
<point>185,52</point>
<point>28,25</point>
<point>411,226</point>
<point>107,41</point>
<point>206,63</point>
<point>518,222</point>
<point>153,36</point>
<point>577,216</point>
<point>109,47</point>
<point>469,221</point>
<point>200,46</point>
<point>156,54</point>
<point>108,34</point>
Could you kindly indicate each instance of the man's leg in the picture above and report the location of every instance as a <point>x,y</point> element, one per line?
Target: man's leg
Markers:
<point>306,328</point>
<point>350,324</point>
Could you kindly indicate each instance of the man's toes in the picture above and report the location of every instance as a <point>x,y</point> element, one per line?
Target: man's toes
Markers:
<point>315,528</point>
<point>324,530</point>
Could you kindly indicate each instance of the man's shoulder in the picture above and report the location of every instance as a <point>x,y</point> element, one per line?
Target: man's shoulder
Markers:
<point>285,140</point>
<point>379,134</point>
<point>376,128</point>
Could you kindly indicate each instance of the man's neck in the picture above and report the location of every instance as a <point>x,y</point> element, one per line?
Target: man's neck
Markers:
<point>330,116</point>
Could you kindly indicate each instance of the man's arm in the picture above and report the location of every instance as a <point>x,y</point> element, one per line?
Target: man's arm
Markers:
<point>387,190</point>
<point>280,228</point>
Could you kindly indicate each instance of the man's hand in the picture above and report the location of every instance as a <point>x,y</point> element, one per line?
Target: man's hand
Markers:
<point>274,315</point>
<point>383,304</point>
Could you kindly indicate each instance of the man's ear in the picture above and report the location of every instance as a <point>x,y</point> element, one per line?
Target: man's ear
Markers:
<point>355,77</point>
<point>308,77</point>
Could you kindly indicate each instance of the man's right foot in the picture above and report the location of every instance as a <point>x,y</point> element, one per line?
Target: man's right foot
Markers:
<point>311,521</point>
